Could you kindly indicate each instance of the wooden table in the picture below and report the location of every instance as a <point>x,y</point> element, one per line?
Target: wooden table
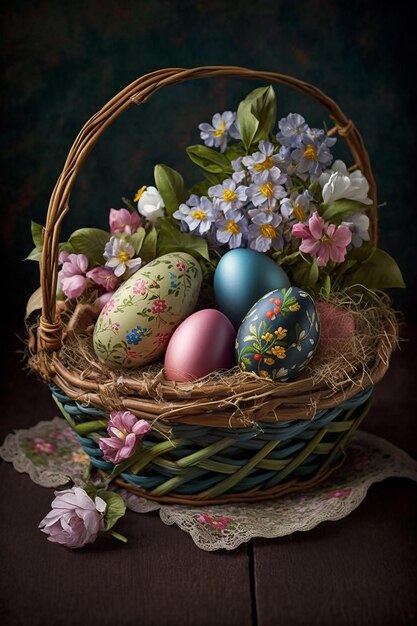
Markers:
<point>359,570</point>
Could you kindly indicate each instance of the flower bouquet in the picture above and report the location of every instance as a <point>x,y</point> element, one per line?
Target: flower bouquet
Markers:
<point>183,344</point>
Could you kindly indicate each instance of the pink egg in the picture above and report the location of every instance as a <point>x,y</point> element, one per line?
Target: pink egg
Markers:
<point>202,343</point>
<point>337,327</point>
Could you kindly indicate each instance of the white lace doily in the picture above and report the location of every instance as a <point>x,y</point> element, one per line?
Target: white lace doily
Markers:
<point>50,454</point>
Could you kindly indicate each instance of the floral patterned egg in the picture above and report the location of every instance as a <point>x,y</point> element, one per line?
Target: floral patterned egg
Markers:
<point>134,327</point>
<point>279,335</point>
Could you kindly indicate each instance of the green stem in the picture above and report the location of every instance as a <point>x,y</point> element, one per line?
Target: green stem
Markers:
<point>118,536</point>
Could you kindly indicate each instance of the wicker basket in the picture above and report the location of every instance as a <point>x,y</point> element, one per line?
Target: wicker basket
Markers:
<point>298,429</point>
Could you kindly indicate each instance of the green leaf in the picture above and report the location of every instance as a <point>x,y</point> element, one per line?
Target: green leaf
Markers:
<point>35,255</point>
<point>201,188</point>
<point>209,159</point>
<point>36,230</point>
<point>379,271</point>
<point>91,242</point>
<point>115,509</point>
<point>136,240</point>
<point>90,490</point>
<point>305,273</point>
<point>171,239</point>
<point>247,123</point>
<point>234,151</point>
<point>170,185</point>
<point>148,249</point>
<point>334,212</point>
<point>34,303</point>
<point>326,286</point>
<point>316,192</point>
<point>256,115</point>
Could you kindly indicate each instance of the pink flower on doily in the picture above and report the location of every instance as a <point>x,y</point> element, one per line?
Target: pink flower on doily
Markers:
<point>41,446</point>
<point>125,431</point>
<point>218,523</point>
<point>140,287</point>
<point>80,457</point>
<point>159,306</point>
<point>338,493</point>
<point>360,463</point>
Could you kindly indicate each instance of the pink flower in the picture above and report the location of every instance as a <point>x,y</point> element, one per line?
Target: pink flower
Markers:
<point>140,287</point>
<point>163,338</point>
<point>324,241</point>
<point>132,354</point>
<point>75,518</point>
<point>159,306</point>
<point>125,432</point>
<point>103,276</point>
<point>43,447</point>
<point>123,221</point>
<point>219,523</point>
<point>72,275</point>
<point>181,266</point>
<point>338,493</point>
<point>116,326</point>
<point>109,306</point>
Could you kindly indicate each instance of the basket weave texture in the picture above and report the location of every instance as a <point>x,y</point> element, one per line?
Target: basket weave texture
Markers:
<point>213,443</point>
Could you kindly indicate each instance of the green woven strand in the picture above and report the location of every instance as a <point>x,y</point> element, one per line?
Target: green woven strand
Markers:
<point>90,427</point>
<point>175,482</point>
<point>362,411</point>
<point>300,458</point>
<point>231,481</point>
<point>195,457</point>
<point>160,448</point>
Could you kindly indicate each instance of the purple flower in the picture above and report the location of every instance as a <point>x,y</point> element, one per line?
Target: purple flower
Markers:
<point>198,214</point>
<point>292,130</point>
<point>264,234</point>
<point>123,221</point>
<point>265,192</point>
<point>125,431</point>
<point>313,155</point>
<point>240,173</point>
<point>264,164</point>
<point>217,133</point>
<point>298,207</point>
<point>75,518</point>
<point>228,196</point>
<point>231,227</point>
<point>119,256</point>
<point>72,276</point>
<point>103,276</point>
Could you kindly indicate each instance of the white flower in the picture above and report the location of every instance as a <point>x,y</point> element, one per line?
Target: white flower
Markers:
<point>359,225</point>
<point>339,183</point>
<point>151,205</point>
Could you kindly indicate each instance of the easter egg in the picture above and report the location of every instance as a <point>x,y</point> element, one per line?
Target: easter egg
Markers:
<point>137,322</point>
<point>241,278</point>
<point>279,335</point>
<point>202,343</point>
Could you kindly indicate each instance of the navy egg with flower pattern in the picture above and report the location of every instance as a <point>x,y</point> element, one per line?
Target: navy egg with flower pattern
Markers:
<point>279,335</point>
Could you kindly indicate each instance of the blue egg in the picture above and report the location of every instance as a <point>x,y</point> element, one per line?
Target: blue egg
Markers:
<point>279,335</point>
<point>241,278</point>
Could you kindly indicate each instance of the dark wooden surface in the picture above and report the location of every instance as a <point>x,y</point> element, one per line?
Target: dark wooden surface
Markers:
<point>359,570</point>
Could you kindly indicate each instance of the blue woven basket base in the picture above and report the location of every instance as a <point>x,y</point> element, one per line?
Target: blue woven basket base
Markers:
<point>292,436</point>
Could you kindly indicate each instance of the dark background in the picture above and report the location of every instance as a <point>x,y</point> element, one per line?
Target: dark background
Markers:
<point>64,60</point>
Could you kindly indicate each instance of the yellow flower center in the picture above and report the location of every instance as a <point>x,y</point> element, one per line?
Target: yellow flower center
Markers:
<point>268,231</point>
<point>123,256</point>
<point>299,213</point>
<point>220,131</point>
<point>198,214</point>
<point>139,193</point>
<point>310,153</point>
<point>232,227</point>
<point>265,165</point>
<point>266,190</point>
<point>229,195</point>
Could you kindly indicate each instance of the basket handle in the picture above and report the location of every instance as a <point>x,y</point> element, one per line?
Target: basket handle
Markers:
<point>50,327</point>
